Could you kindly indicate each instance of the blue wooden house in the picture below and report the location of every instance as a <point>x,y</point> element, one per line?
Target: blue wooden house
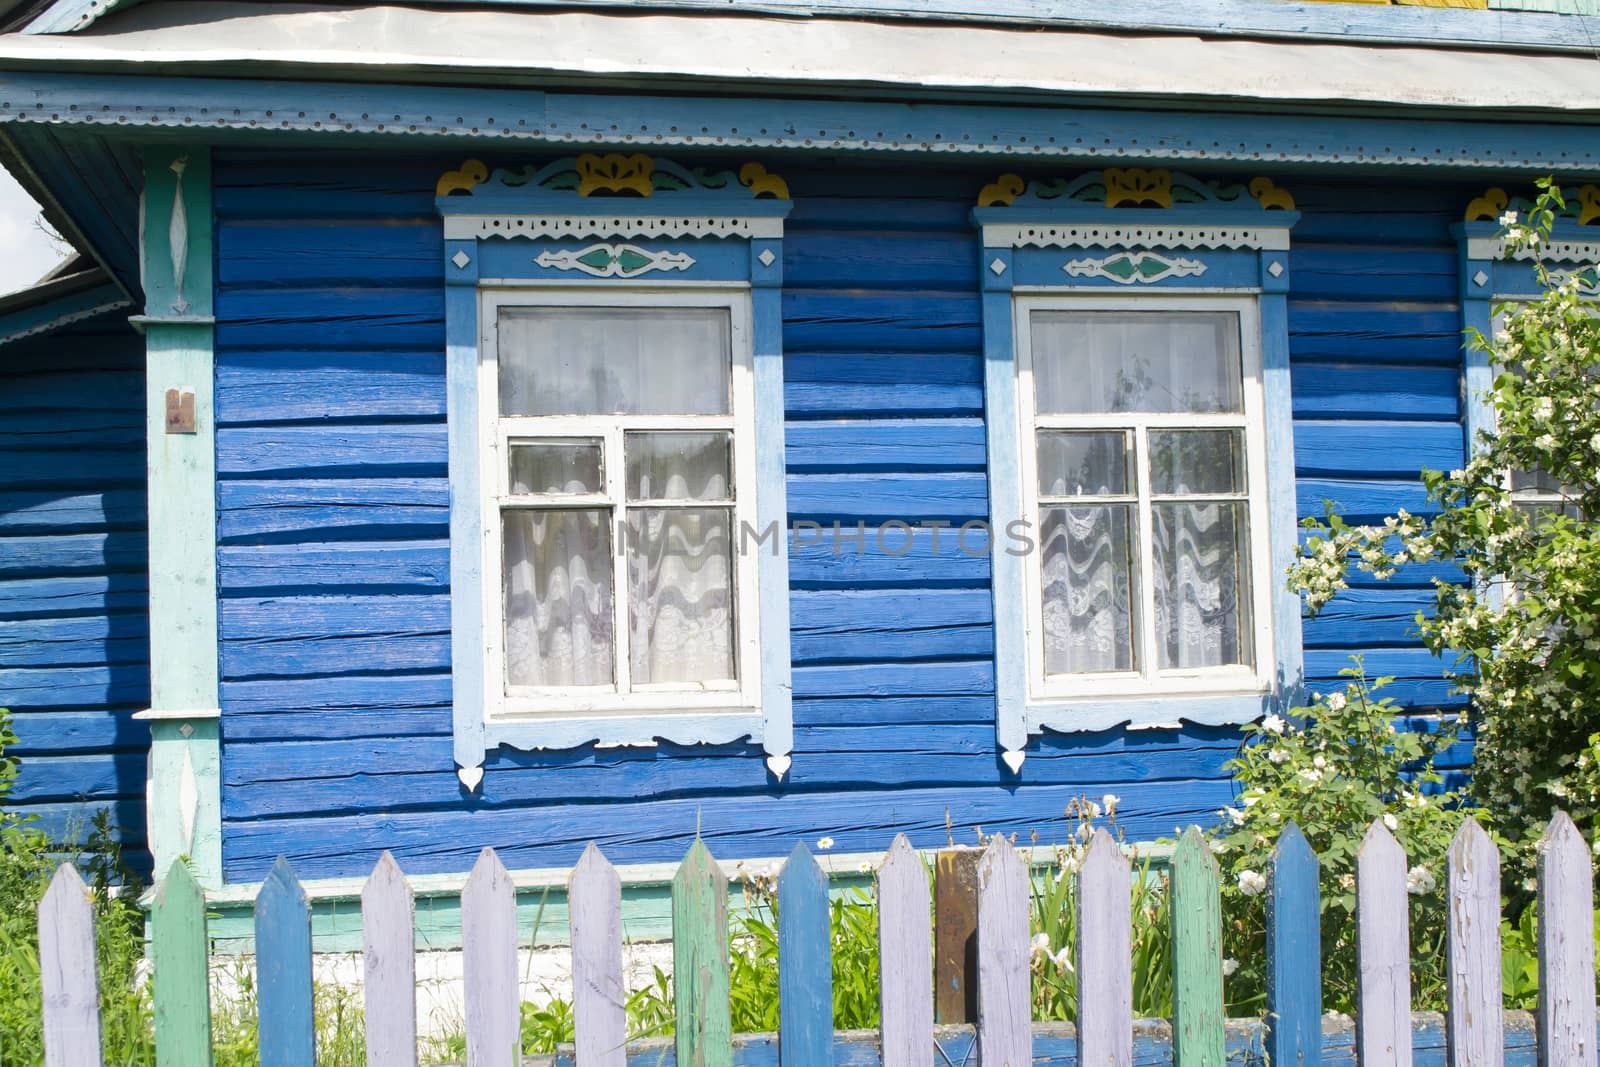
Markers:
<point>517,423</point>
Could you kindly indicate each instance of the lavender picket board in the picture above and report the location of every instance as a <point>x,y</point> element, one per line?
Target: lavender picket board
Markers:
<point>1566,1013</point>
<point>1294,954</point>
<point>1474,1024</point>
<point>1198,1033</point>
<point>178,956</point>
<point>388,943</point>
<point>704,1036</point>
<point>489,965</point>
<point>1005,1009</point>
<point>905,958</point>
<point>805,964</point>
<point>1104,951</point>
<point>283,970</point>
<point>600,1025</point>
<point>1383,951</point>
<point>69,972</point>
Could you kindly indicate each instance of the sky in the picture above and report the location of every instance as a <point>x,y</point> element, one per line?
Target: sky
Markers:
<point>29,252</point>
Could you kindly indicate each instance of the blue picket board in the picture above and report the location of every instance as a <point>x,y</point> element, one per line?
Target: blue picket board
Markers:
<point>283,969</point>
<point>805,963</point>
<point>1294,954</point>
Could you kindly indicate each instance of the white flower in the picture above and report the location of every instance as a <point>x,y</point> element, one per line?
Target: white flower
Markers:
<point>1111,800</point>
<point>1390,821</point>
<point>824,843</point>
<point>1063,959</point>
<point>1041,944</point>
<point>1252,883</point>
<point>1234,815</point>
<point>1273,724</point>
<point>1228,967</point>
<point>864,866</point>
<point>1277,755</point>
<point>1311,774</point>
<point>1320,763</point>
<point>1420,880</point>
<point>1336,701</point>
<point>1508,218</point>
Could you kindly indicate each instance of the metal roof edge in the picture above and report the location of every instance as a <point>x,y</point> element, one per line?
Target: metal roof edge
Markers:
<point>1443,27</point>
<point>57,302</point>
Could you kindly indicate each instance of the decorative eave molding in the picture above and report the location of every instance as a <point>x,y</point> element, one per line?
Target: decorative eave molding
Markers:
<point>1574,238</point>
<point>1134,207</point>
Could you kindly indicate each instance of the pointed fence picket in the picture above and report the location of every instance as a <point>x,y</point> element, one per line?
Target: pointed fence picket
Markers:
<point>1294,954</point>
<point>805,963</point>
<point>283,970</point>
<point>1105,954</point>
<point>69,972</point>
<point>389,964</point>
<point>1004,1036</point>
<point>489,965</point>
<point>1474,1024</point>
<point>599,1015</point>
<point>1383,951</point>
<point>905,952</point>
<point>1005,1003</point>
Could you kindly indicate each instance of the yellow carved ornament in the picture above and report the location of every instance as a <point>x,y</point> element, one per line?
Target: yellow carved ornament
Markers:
<point>1588,204</point>
<point>1138,185</point>
<point>1269,195</point>
<point>1002,192</point>
<point>1488,207</point>
<point>759,181</point>
<point>472,173</point>
<point>615,173</point>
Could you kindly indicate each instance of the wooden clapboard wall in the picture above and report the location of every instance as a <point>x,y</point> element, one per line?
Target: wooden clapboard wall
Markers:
<point>74,644</point>
<point>333,538</point>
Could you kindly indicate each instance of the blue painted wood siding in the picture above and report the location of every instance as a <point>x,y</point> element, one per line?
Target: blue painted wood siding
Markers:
<point>74,646</point>
<point>334,555</point>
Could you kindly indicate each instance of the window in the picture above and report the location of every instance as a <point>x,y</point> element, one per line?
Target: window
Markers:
<point>1145,427</point>
<point>620,441</point>
<point>1139,423</point>
<point>618,570</point>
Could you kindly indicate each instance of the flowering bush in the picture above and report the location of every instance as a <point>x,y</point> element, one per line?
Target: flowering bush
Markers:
<point>1344,768</point>
<point>1525,625</point>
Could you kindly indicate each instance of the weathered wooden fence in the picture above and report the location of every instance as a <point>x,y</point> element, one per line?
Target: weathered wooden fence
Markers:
<point>1566,1020</point>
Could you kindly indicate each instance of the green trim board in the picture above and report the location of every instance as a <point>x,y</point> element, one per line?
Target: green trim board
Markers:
<point>542,915</point>
<point>183,792</point>
<point>1131,234</point>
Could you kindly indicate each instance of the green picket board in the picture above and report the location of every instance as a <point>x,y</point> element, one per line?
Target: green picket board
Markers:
<point>1198,1026</point>
<point>178,954</point>
<point>700,961</point>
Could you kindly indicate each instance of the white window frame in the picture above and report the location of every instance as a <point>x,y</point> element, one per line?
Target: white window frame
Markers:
<point>1148,682</point>
<point>507,703</point>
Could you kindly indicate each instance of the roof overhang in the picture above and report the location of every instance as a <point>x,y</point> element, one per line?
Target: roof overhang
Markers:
<point>59,300</point>
<point>541,46</point>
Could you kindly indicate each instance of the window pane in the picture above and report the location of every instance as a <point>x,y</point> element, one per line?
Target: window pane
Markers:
<point>556,466</point>
<point>680,594</point>
<point>679,466</point>
<point>558,597</point>
<point>1194,462</point>
<point>1202,585</point>
<point>1083,464</point>
<point>1087,579</point>
<point>1100,361</point>
<point>622,361</point>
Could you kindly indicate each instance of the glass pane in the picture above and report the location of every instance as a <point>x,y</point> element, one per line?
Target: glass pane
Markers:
<point>1194,462</point>
<point>558,597</point>
<point>1086,557</point>
<point>1202,585</point>
<point>623,361</point>
<point>1100,361</point>
<point>1534,483</point>
<point>680,594</point>
<point>679,466</point>
<point>556,466</point>
<point>1083,464</point>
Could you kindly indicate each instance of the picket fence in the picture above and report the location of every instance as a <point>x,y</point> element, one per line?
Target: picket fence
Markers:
<point>1566,1019</point>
